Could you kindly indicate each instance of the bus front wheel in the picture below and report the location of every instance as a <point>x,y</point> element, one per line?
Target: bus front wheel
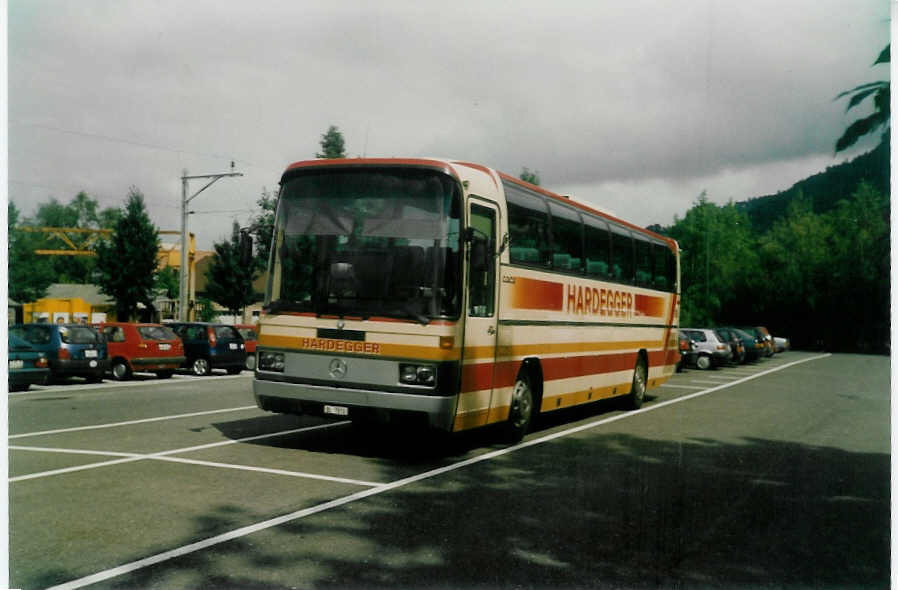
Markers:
<point>522,408</point>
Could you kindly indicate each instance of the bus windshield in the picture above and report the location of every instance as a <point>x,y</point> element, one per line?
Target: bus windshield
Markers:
<point>367,242</point>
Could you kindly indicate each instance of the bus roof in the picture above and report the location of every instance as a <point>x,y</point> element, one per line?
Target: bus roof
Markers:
<point>461,170</point>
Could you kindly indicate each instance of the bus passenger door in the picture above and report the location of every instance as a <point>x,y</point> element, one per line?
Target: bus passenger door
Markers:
<point>481,317</point>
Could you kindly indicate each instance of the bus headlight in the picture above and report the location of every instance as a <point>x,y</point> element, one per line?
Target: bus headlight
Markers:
<point>417,374</point>
<point>271,361</point>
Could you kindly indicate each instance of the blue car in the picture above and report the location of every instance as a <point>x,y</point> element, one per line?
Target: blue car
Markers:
<point>71,349</point>
<point>211,346</point>
<point>27,366</point>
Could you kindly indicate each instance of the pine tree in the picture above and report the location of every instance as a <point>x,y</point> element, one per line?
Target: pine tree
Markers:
<point>332,145</point>
<point>126,263</point>
<point>531,176</point>
<point>228,283</point>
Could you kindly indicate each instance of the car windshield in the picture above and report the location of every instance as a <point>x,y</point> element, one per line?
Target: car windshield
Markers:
<point>77,335</point>
<point>367,242</point>
<point>247,333</point>
<point>36,334</point>
<point>156,333</point>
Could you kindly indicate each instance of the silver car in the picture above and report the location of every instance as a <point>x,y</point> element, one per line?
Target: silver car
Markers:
<point>710,349</point>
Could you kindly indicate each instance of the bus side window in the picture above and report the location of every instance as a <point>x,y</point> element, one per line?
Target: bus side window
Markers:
<point>528,227</point>
<point>598,248</point>
<point>660,273</point>
<point>621,255</point>
<point>643,262</point>
<point>567,239</point>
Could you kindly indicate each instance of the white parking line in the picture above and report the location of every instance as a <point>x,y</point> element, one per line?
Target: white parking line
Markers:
<point>299,514</point>
<point>129,457</point>
<point>355,482</point>
<point>130,422</point>
<point>681,386</point>
<point>158,457</point>
<point>710,382</point>
<point>38,389</point>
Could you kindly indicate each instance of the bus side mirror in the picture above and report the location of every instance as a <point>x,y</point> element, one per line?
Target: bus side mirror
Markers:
<point>246,248</point>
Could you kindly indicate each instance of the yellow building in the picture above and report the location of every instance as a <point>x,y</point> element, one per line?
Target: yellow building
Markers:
<point>72,303</point>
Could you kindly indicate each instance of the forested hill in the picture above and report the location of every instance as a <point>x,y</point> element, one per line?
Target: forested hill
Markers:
<point>824,189</point>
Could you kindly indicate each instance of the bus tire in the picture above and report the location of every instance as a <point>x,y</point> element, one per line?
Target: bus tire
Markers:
<point>521,413</point>
<point>638,387</point>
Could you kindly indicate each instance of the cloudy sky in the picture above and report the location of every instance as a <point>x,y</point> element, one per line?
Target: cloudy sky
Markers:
<point>636,106</point>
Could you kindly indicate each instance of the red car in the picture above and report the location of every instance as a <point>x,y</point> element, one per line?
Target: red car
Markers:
<point>249,336</point>
<point>142,347</point>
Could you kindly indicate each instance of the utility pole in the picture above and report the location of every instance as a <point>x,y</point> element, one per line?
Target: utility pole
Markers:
<point>182,304</point>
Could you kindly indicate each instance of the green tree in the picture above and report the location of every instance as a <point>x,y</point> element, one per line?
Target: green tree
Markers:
<point>168,282</point>
<point>205,311</point>
<point>530,176</point>
<point>796,266</point>
<point>880,91</point>
<point>29,274</point>
<point>857,285</point>
<point>262,227</point>
<point>126,263</point>
<point>718,259</point>
<point>332,145</point>
<point>229,283</point>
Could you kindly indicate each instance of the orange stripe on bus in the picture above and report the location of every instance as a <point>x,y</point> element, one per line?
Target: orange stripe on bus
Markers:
<point>536,294</point>
<point>483,376</point>
<point>647,305</point>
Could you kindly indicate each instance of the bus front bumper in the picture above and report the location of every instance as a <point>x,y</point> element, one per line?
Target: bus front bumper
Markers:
<point>300,398</point>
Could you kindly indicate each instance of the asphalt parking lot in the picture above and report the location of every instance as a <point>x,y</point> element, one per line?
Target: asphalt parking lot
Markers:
<point>185,484</point>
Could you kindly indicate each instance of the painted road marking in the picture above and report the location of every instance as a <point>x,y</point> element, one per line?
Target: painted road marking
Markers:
<point>681,386</point>
<point>130,422</point>
<point>300,514</point>
<point>38,389</point>
<point>130,457</point>
<point>162,457</point>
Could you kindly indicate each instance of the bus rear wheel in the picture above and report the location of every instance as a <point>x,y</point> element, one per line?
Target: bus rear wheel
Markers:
<point>638,388</point>
<point>522,409</point>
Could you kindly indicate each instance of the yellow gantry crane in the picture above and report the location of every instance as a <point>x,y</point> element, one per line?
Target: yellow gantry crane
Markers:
<point>77,239</point>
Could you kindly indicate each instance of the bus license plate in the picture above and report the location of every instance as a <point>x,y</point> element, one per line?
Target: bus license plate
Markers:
<point>336,410</point>
<point>90,354</point>
<point>17,364</point>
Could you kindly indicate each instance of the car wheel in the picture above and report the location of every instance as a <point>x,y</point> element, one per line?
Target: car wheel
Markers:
<point>703,362</point>
<point>120,370</point>
<point>639,385</point>
<point>521,413</point>
<point>201,367</point>
<point>251,362</point>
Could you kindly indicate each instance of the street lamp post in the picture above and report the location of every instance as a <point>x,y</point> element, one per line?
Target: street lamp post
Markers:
<point>182,304</point>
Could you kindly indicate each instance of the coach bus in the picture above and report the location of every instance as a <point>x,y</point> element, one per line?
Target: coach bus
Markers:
<point>448,292</point>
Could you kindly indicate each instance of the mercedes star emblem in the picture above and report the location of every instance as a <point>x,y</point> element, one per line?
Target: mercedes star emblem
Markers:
<point>338,368</point>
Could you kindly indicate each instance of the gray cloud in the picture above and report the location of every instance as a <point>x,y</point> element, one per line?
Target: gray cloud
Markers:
<point>105,95</point>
